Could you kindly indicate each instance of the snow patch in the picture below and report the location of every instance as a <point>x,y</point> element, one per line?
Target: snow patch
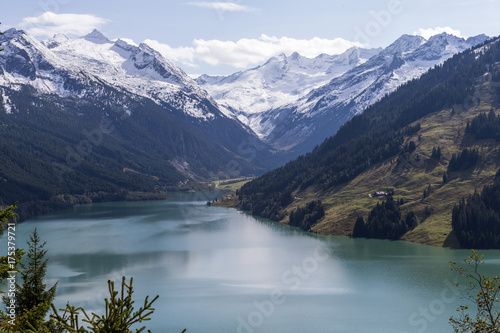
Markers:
<point>6,103</point>
<point>140,70</point>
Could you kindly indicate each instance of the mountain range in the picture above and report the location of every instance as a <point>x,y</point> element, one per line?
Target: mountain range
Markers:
<point>294,103</point>
<point>421,164</point>
<point>91,118</point>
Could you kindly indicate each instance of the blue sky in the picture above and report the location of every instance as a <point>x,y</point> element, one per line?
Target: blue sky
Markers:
<point>222,36</point>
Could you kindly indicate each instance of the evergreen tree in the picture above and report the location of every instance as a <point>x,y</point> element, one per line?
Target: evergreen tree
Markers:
<point>6,215</point>
<point>427,191</point>
<point>436,153</point>
<point>485,126</point>
<point>466,159</point>
<point>411,147</point>
<point>374,136</point>
<point>476,221</point>
<point>119,316</point>
<point>411,220</point>
<point>359,228</point>
<point>445,177</point>
<point>306,217</point>
<point>32,298</point>
<point>385,222</point>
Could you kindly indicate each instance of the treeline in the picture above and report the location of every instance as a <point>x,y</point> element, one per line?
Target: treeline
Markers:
<point>476,221</point>
<point>306,217</point>
<point>485,126</point>
<point>466,159</point>
<point>371,137</point>
<point>385,222</point>
<point>52,146</point>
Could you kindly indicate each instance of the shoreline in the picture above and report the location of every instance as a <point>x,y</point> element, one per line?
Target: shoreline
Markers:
<point>26,210</point>
<point>449,241</point>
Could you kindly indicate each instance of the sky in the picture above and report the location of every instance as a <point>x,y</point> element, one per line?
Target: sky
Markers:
<point>221,37</point>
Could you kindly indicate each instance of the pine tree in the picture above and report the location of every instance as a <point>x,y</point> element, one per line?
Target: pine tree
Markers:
<point>33,299</point>
<point>359,228</point>
<point>6,216</point>
<point>120,314</point>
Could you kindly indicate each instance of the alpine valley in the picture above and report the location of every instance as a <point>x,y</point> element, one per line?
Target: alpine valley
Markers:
<point>91,119</point>
<point>421,164</point>
<point>88,119</point>
<point>294,103</point>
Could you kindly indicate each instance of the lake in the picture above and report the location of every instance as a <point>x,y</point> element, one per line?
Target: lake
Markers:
<point>221,270</point>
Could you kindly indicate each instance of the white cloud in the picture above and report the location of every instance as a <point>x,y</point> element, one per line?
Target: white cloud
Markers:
<point>49,24</point>
<point>427,33</point>
<point>223,6</point>
<point>182,55</point>
<point>246,52</point>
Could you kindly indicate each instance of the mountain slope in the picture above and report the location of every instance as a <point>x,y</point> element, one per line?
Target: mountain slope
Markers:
<point>99,119</point>
<point>390,146</point>
<point>280,81</point>
<point>321,113</point>
<point>304,117</point>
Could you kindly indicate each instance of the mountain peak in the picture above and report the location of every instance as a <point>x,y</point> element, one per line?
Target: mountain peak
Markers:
<point>13,32</point>
<point>96,37</point>
<point>405,43</point>
<point>444,36</point>
<point>475,40</point>
<point>57,40</point>
<point>126,44</point>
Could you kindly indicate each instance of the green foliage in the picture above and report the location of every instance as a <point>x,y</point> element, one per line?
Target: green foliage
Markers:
<point>482,291</point>
<point>306,217</point>
<point>385,222</point>
<point>32,300</point>
<point>466,159</point>
<point>411,220</point>
<point>372,137</point>
<point>411,147</point>
<point>119,316</point>
<point>427,191</point>
<point>485,126</point>
<point>476,221</point>
<point>6,215</point>
<point>436,153</point>
<point>359,227</point>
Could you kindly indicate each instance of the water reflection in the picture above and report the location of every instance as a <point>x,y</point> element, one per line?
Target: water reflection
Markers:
<point>214,267</point>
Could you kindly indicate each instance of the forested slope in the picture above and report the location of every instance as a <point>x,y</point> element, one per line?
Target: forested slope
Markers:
<point>394,146</point>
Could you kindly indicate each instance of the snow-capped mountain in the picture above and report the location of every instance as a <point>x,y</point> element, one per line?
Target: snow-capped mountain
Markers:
<point>158,109</point>
<point>281,80</point>
<point>137,69</point>
<point>311,109</point>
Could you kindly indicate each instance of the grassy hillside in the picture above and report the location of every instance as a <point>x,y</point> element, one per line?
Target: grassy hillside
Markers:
<point>410,177</point>
<point>390,148</point>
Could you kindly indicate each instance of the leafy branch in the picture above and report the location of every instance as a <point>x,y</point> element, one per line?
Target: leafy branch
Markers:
<point>483,292</point>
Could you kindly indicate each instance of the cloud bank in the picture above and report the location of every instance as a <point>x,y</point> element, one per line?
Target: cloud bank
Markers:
<point>239,54</point>
<point>247,51</point>
<point>223,6</point>
<point>48,24</point>
<point>427,33</point>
